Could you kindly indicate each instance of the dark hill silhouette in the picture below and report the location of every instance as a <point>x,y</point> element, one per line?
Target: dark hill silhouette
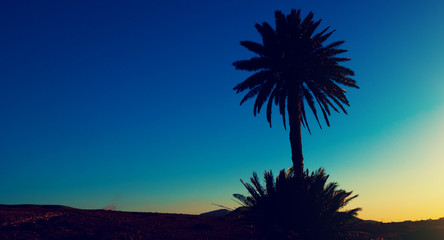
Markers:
<point>34,206</point>
<point>28,221</point>
<point>59,222</point>
<point>407,230</point>
<point>217,213</point>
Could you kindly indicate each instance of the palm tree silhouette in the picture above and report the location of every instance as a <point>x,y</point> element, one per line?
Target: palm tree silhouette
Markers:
<point>293,65</point>
<point>305,208</point>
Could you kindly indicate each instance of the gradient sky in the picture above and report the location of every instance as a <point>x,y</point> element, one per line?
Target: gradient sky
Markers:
<point>131,104</point>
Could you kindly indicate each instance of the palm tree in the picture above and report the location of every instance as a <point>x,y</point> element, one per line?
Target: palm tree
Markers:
<point>299,208</point>
<point>293,65</point>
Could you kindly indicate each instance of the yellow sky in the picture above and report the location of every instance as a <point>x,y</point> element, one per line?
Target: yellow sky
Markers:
<point>404,178</point>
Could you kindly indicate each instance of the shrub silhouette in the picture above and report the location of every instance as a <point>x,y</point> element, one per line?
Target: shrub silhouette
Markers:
<point>291,207</point>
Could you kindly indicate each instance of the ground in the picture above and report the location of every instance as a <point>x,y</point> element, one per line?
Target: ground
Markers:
<point>41,222</point>
<point>58,222</point>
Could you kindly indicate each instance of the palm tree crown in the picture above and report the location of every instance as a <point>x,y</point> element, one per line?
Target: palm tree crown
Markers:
<point>293,65</point>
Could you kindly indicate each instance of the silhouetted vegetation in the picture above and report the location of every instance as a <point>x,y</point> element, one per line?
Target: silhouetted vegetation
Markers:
<point>291,207</point>
<point>293,65</point>
<point>295,68</point>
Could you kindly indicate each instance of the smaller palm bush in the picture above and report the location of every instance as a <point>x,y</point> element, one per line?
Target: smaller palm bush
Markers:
<point>298,208</point>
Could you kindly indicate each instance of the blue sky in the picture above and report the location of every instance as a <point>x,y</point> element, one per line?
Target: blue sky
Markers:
<point>131,104</point>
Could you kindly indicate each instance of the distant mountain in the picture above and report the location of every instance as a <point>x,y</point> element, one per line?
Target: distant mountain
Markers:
<point>33,206</point>
<point>217,213</point>
<point>407,230</point>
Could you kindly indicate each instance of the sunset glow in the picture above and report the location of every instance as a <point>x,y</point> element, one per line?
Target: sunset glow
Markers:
<point>132,105</point>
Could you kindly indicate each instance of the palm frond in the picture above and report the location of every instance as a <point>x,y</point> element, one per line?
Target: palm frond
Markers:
<point>307,20</point>
<point>324,109</point>
<point>333,52</point>
<point>324,37</point>
<point>310,30</point>
<point>257,185</point>
<point>263,95</point>
<point>346,81</point>
<point>253,92</point>
<point>338,59</point>
<point>304,118</point>
<point>318,36</point>
<point>281,23</point>
<point>309,99</point>
<point>244,200</point>
<point>270,184</point>
<point>333,44</point>
<point>270,104</point>
<point>254,64</point>
<point>253,46</point>
<point>254,194</point>
<point>282,106</point>
<point>253,81</point>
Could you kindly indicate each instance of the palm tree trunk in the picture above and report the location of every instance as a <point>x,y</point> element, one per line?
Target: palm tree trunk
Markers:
<point>294,119</point>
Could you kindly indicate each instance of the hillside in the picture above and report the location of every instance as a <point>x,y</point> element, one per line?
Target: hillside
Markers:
<point>408,230</point>
<point>60,222</point>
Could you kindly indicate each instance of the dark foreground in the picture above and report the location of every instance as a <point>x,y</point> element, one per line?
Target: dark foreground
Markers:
<point>59,222</point>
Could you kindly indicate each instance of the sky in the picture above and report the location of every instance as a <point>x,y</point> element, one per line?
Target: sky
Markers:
<point>131,104</point>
